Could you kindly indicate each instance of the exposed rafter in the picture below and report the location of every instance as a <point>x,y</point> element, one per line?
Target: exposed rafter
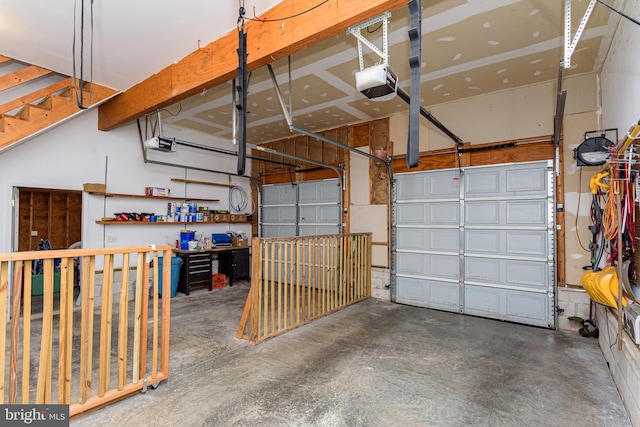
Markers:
<point>269,41</point>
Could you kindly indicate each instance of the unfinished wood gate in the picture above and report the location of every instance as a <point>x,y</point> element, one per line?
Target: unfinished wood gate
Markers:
<point>66,338</point>
<point>298,279</point>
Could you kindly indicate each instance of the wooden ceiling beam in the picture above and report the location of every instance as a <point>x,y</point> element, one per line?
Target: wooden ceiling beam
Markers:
<point>216,63</point>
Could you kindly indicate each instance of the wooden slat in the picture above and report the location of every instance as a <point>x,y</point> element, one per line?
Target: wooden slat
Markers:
<point>5,59</point>
<point>267,42</point>
<point>66,331</point>
<point>44,369</point>
<point>137,318</point>
<point>123,324</point>
<point>105,326</point>
<point>4,284</point>
<point>16,292</point>
<point>21,76</point>
<point>144,319</point>
<point>86,332</point>
<point>166,321</point>
<point>26,335</point>
<point>166,276</point>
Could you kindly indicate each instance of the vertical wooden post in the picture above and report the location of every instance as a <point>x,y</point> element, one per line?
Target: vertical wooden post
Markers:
<point>105,325</point>
<point>66,330</point>
<point>166,317</point>
<point>286,301</point>
<point>86,334</point>
<point>156,323</point>
<point>44,371</point>
<point>137,317</point>
<point>123,323</point>
<point>15,331</point>
<point>26,335</point>
<point>4,284</point>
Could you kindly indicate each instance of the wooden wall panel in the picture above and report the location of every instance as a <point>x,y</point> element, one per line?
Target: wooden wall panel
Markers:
<point>330,151</point>
<point>361,135</point>
<point>56,215</point>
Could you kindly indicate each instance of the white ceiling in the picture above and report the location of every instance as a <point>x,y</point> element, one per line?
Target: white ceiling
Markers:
<point>133,39</point>
<point>470,47</point>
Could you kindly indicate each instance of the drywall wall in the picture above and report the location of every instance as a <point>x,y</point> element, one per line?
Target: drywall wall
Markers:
<point>620,82</point>
<point>76,152</point>
<point>518,113</point>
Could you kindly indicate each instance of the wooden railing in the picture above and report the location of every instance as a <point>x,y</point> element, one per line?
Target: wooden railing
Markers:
<point>298,279</point>
<point>66,338</point>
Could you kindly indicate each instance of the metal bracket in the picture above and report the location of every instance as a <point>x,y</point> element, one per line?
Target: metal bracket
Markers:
<point>569,43</point>
<point>355,31</point>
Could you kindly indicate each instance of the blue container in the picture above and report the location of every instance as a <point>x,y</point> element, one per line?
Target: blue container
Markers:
<point>176,262</point>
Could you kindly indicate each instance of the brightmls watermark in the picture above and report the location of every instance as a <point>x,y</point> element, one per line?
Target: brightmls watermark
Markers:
<point>34,415</point>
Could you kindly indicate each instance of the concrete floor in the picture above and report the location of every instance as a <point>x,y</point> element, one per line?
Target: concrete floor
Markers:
<point>371,364</point>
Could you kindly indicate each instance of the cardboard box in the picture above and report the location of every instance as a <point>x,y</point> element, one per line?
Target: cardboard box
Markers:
<point>156,192</point>
<point>238,218</point>
<point>217,217</point>
<point>238,241</point>
<point>94,187</point>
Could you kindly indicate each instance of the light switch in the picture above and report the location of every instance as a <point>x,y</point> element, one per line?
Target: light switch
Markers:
<point>34,233</point>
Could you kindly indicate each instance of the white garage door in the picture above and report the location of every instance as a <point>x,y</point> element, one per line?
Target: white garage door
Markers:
<point>480,242</point>
<point>304,209</point>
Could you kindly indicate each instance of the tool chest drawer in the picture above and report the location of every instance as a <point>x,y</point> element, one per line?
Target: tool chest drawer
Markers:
<point>195,271</point>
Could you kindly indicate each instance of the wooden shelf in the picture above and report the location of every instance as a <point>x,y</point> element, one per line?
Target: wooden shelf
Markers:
<point>141,196</point>
<point>166,223</point>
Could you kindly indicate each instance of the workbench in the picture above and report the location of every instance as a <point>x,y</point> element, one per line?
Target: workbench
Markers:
<point>196,270</point>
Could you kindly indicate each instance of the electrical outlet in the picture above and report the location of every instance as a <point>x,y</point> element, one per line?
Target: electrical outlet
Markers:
<point>112,239</point>
<point>34,233</point>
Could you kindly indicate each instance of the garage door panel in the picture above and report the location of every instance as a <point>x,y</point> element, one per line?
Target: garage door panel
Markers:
<point>504,213</point>
<point>483,301</point>
<point>483,242</point>
<point>528,180</point>
<point>278,194</point>
<point>527,243</point>
<point>429,265</point>
<point>528,274</point>
<point>506,304</point>
<point>435,185</point>
<point>531,275</point>
<point>482,183</point>
<point>507,243</point>
<point>437,240</point>
<point>315,214</point>
<point>304,209</point>
<point>279,214</point>
<point>435,213</point>
<point>319,191</point>
<point>505,221</point>
<point>278,230</point>
<point>429,293</point>
<point>312,230</point>
<point>527,307</point>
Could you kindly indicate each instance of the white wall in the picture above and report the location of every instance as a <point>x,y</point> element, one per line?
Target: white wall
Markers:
<point>76,152</point>
<point>620,86</point>
<point>621,75</point>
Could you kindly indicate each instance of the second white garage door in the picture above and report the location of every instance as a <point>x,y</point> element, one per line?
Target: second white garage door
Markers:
<point>479,242</point>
